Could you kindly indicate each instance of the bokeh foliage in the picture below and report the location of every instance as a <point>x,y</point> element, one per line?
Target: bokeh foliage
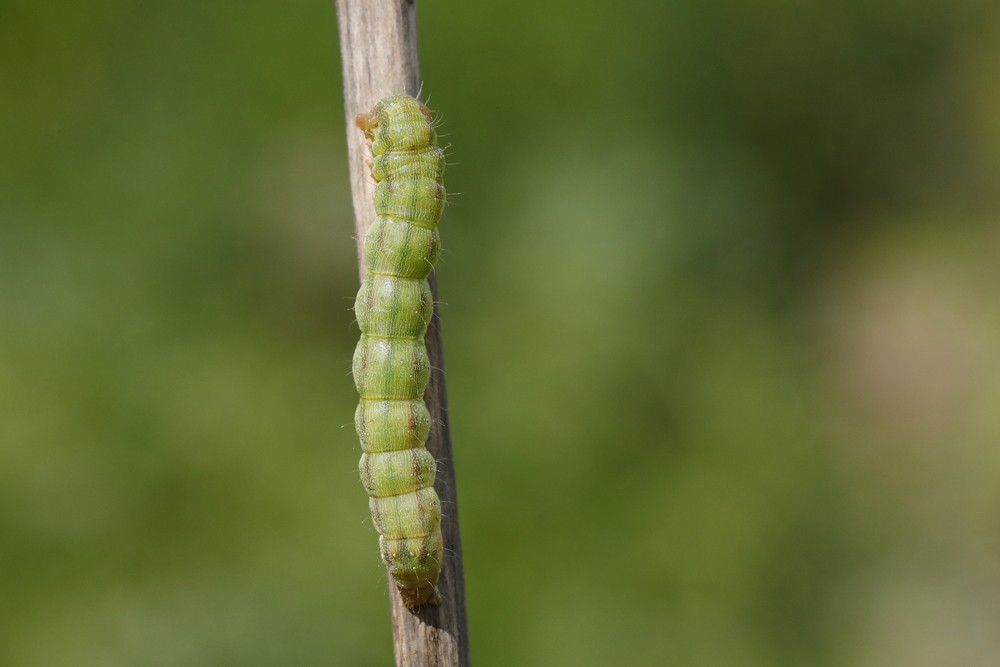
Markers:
<point>720,324</point>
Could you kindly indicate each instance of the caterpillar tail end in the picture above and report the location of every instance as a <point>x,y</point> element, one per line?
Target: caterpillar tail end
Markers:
<point>414,597</point>
<point>415,565</point>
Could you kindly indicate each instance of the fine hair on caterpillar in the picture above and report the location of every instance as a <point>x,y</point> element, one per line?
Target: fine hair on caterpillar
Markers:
<point>393,308</point>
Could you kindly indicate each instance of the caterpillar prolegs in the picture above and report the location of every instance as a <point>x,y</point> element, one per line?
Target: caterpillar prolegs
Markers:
<point>391,369</point>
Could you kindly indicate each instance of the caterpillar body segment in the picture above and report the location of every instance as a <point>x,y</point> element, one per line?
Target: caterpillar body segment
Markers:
<point>391,368</point>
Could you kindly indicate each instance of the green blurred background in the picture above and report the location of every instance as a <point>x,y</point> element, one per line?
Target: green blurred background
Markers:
<point>721,327</point>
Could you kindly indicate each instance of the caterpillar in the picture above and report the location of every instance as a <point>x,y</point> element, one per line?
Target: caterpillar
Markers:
<point>391,368</point>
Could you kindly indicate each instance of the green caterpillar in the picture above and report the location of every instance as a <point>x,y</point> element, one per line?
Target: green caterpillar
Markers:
<point>391,369</point>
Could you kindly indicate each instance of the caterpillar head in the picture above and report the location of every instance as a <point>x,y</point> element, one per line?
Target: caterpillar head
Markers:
<point>398,122</point>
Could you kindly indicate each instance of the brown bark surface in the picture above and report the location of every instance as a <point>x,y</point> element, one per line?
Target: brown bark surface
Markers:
<point>378,45</point>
